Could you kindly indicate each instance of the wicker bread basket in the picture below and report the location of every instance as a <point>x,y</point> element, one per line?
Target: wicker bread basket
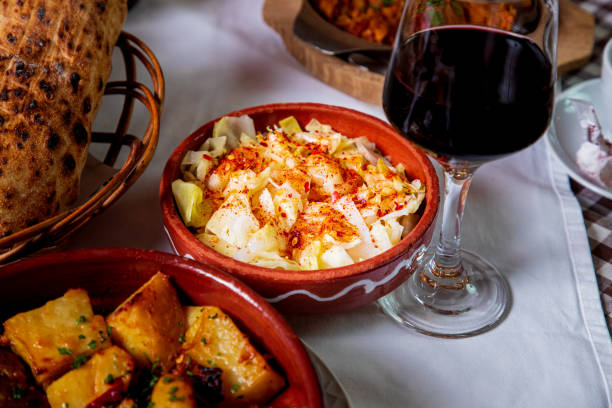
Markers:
<point>55,231</point>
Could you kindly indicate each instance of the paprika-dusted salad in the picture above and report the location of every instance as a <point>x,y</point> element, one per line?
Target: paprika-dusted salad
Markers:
<point>294,198</point>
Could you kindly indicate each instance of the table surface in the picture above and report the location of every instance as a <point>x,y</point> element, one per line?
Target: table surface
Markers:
<point>597,210</point>
<point>218,57</point>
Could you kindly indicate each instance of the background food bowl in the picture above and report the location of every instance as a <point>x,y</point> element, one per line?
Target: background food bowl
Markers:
<point>326,290</point>
<point>111,275</point>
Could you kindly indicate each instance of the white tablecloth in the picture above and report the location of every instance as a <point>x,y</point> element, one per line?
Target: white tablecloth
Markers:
<point>552,350</point>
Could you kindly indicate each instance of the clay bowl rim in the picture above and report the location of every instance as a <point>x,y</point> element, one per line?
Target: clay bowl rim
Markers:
<point>175,226</point>
<point>309,385</point>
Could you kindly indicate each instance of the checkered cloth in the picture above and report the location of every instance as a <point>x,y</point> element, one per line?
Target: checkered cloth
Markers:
<point>597,210</point>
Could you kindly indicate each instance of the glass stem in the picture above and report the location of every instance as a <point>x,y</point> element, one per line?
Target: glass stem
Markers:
<point>447,258</point>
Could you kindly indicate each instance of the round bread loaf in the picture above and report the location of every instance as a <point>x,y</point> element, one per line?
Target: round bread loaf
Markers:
<point>55,59</point>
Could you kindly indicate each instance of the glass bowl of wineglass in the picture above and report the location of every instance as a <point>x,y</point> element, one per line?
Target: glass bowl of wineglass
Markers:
<point>469,81</point>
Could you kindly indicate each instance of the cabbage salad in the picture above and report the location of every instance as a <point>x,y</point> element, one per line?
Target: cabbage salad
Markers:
<point>294,199</point>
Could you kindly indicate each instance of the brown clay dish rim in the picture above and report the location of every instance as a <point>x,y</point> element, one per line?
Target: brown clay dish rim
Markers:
<point>174,223</point>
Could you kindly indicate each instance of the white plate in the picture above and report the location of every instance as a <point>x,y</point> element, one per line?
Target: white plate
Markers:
<point>565,134</point>
<point>333,394</point>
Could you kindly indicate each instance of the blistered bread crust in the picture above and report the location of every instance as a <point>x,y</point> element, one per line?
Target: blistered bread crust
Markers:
<point>55,58</point>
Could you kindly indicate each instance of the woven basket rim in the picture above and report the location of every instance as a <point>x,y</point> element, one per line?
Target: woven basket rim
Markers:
<point>55,231</point>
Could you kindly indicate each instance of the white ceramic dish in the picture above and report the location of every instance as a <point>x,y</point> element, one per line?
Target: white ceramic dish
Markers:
<point>565,134</point>
<point>334,395</point>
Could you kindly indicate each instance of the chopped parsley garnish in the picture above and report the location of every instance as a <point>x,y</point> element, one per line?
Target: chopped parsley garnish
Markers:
<point>82,336</point>
<point>155,365</point>
<point>168,380</point>
<point>92,344</point>
<point>180,323</point>
<point>388,2</point>
<point>173,390</point>
<point>175,398</point>
<point>108,330</point>
<point>214,316</point>
<point>235,387</point>
<point>204,340</point>
<point>81,319</point>
<point>80,360</point>
<point>64,350</point>
<point>18,393</point>
<point>109,379</point>
<point>182,339</point>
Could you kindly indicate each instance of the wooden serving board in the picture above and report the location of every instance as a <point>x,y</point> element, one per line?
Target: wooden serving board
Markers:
<point>576,34</point>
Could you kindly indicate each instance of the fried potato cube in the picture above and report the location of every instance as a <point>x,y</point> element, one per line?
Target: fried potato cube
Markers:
<point>172,391</point>
<point>149,324</point>
<point>50,338</point>
<point>213,340</point>
<point>102,381</point>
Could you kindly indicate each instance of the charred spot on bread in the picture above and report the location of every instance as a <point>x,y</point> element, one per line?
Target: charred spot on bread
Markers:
<point>80,134</point>
<point>67,116</point>
<point>11,38</point>
<point>19,68</point>
<point>87,105</point>
<point>4,95</point>
<point>68,164</point>
<point>53,141</point>
<point>74,81</point>
<point>32,105</point>
<point>101,6</point>
<point>46,87</point>
<point>40,13</point>
<point>22,132</point>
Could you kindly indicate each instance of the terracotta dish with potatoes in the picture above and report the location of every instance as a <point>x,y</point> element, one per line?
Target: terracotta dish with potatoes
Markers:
<point>150,351</point>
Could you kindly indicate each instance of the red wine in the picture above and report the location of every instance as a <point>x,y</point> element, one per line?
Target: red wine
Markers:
<point>469,93</point>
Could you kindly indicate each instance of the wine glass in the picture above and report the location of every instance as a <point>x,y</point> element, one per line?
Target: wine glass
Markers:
<point>469,81</point>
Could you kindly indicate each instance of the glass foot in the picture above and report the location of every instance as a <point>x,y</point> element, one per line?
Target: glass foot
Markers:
<point>450,308</point>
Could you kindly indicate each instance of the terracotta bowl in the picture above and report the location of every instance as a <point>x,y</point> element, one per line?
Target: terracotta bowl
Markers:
<point>326,290</point>
<point>111,275</point>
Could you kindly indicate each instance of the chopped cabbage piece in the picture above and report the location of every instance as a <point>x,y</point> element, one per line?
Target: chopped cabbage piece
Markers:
<point>290,125</point>
<point>217,244</point>
<point>335,257</point>
<point>366,248</point>
<point>366,148</point>
<point>288,202</point>
<point>309,256</point>
<point>203,167</point>
<point>233,221</point>
<point>217,145</point>
<point>189,200</point>
<point>265,202</point>
<point>380,237</point>
<point>266,239</point>
<point>233,127</point>
<point>274,260</point>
